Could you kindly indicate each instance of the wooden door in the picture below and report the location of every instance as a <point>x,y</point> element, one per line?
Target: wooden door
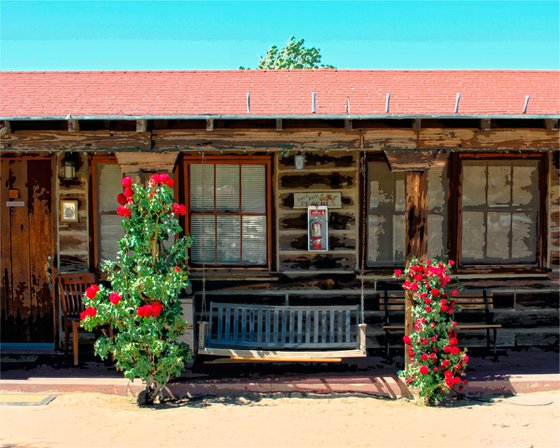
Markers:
<point>27,305</point>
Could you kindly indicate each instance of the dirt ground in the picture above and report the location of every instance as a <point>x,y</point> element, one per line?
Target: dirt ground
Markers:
<point>95,420</point>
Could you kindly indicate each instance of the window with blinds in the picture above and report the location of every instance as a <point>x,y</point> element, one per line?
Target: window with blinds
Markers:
<point>228,211</point>
<point>108,229</point>
<point>499,211</point>
<point>386,214</point>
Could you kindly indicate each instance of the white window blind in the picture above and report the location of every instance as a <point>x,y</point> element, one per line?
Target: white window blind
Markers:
<point>110,231</point>
<point>228,213</point>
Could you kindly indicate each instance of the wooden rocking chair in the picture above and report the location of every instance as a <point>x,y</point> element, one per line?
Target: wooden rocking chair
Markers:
<point>71,289</point>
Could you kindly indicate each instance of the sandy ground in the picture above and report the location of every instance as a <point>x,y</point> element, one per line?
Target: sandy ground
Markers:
<point>95,420</point>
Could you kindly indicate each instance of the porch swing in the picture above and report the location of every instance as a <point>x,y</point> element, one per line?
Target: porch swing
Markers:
<point>246,332</point>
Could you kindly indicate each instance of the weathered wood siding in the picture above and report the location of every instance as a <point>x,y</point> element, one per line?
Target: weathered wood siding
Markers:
<point>554,215</point>
<point>73,238</point>
<point>332,171</point>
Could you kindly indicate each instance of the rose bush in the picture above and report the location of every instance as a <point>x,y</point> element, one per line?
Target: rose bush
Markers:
<point>436,361</point>
<point>146,279</point>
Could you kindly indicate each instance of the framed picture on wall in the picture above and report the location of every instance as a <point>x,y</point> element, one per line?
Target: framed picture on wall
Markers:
<point>68,210</point>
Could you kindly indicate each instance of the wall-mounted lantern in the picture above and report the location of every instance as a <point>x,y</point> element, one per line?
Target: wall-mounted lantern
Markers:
<point>69,166</point>
<point>299,161</point>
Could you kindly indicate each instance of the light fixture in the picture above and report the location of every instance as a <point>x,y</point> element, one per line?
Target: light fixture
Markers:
<point>69,166</point>
<point>299,161</point>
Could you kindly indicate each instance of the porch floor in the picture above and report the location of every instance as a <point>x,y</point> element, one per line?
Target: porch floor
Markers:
<point>514,372</point>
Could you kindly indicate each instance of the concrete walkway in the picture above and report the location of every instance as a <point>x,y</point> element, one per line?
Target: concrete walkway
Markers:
<point>514,372</point>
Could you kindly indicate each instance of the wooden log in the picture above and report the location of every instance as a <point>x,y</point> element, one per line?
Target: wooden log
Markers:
<point>132,163</point>
<point>494,139</point>
<point>416,241</point>
<point>83,140</point>
<point>319,160</point>
<point>317,262</point>
<point>248,139</point>
<point>317,181</point>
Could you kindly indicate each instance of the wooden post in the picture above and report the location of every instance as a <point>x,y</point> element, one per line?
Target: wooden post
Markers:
<point>416,242</point>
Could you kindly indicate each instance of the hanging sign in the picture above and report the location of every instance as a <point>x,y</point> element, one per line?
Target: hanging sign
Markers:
<point>317,229</point>
<point>15,204</point>
<point>332,199</point>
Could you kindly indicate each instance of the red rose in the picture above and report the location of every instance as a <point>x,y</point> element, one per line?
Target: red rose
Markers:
<point>436,369</point>
<point>455,350</point>
<point>454,324</point>
<point>433,324</point>
<point>445,363</point>
<point>457,380</point>
<point>170,183</point>
<point>428,309</point>
<point>433,339</point>
<point>444,308</point>
<point>156,178</point>
<point>91,292</point>
<point>434,292</point>
<point>409,380</point>
<point>451,262</point>
<point>465,381</point>
<point>414,286</point>
<point>424,370</point>
<point>425,342</point>
<point>446,349</point>
<point>433,356</point>
<point>144,311</point>
<point>427,300</point>
<point>418,277</point>
<point>123,211</point>
<point>406,339</point>
<point>128,193</point>
<point>114,298</point>
<point>453,341</point>
<point>126,182</point>
<point>179,209</point>
<point>397,272</point>
<point>177,268</point>
<point>448,373</point>
<point>121,199</point>
<point>89,311</point>
<point>424,357</point>
<point>466,359</point>
<point>156,308</point>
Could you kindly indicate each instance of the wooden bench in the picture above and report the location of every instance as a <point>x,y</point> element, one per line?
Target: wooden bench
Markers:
<point>477,313</point>
<point>282,331</point>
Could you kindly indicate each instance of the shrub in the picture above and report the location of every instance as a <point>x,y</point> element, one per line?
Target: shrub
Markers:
<point>436,361</point>
<point>142,302</point>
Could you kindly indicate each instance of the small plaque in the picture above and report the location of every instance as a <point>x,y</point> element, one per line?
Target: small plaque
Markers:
<point>15,204</point>
<point>331,199</point>
<point>13,193</point>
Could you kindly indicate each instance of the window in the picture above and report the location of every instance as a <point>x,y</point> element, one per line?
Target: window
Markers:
<point>386,214</point>
<point>229,210</point>
<point>106,176</point>
<point>499,215</point>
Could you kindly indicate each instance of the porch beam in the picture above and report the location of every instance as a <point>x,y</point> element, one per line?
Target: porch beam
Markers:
<point>415,160</point>
<point>141,125</point>
<point>5,127</point>
<point>417,124</point>
<point>73,125</point>
<point>551,124</point>
<point>416,239</point>
<point>348,125</point>
<point>485,124</point>
<point>279,124</point>
<point>210,124</point>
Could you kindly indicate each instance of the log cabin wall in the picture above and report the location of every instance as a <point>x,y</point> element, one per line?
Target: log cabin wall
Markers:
<point>526,305</point>
<point>323,172</point>
<point>74,237</point>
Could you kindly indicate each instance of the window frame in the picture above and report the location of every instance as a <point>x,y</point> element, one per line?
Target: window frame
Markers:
<point>456,206</point>
<point>231,160</point>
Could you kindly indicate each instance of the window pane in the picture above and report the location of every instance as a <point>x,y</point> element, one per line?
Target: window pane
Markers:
<point>201,188</point>
<point>524,245</point>
<point>474,236</point>
<point>111,231</point>
<point>204,244</point>
<point>525,183</point>
<point>498,237</point>
<point>227,188</point>
<point>386,238</point>
<point>229,239</point>
<point>254,239</point>
<point>474,184</point>
<point>253,188</point>
<point>386,189</point>
<point>499,185</point>
<point>437,231</point>
<point>109,186</point>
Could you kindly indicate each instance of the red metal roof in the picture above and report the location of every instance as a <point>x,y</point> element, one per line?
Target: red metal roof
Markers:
<point>282,93</point>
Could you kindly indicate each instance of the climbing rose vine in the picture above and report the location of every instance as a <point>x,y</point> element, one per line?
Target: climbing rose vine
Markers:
<point>436,361</point>
<point>142,303</point>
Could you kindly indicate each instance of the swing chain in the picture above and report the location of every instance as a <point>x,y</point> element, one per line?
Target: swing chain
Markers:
<point>363,172</point>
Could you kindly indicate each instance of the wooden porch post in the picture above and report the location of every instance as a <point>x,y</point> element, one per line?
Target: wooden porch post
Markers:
<point>416,216</point>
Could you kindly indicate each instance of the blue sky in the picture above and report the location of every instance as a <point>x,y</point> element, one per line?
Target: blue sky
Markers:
<point>127,35</point>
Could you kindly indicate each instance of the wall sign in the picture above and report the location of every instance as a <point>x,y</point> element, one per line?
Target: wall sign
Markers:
<point>318,229</point>
<point>69,210</point>
<point>15,204</point>
<point>332,199</point>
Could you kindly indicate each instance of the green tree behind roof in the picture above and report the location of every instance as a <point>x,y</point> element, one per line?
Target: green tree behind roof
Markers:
<point>293,56</point>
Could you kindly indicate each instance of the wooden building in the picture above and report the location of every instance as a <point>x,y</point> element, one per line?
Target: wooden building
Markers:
<point>462,164</point>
